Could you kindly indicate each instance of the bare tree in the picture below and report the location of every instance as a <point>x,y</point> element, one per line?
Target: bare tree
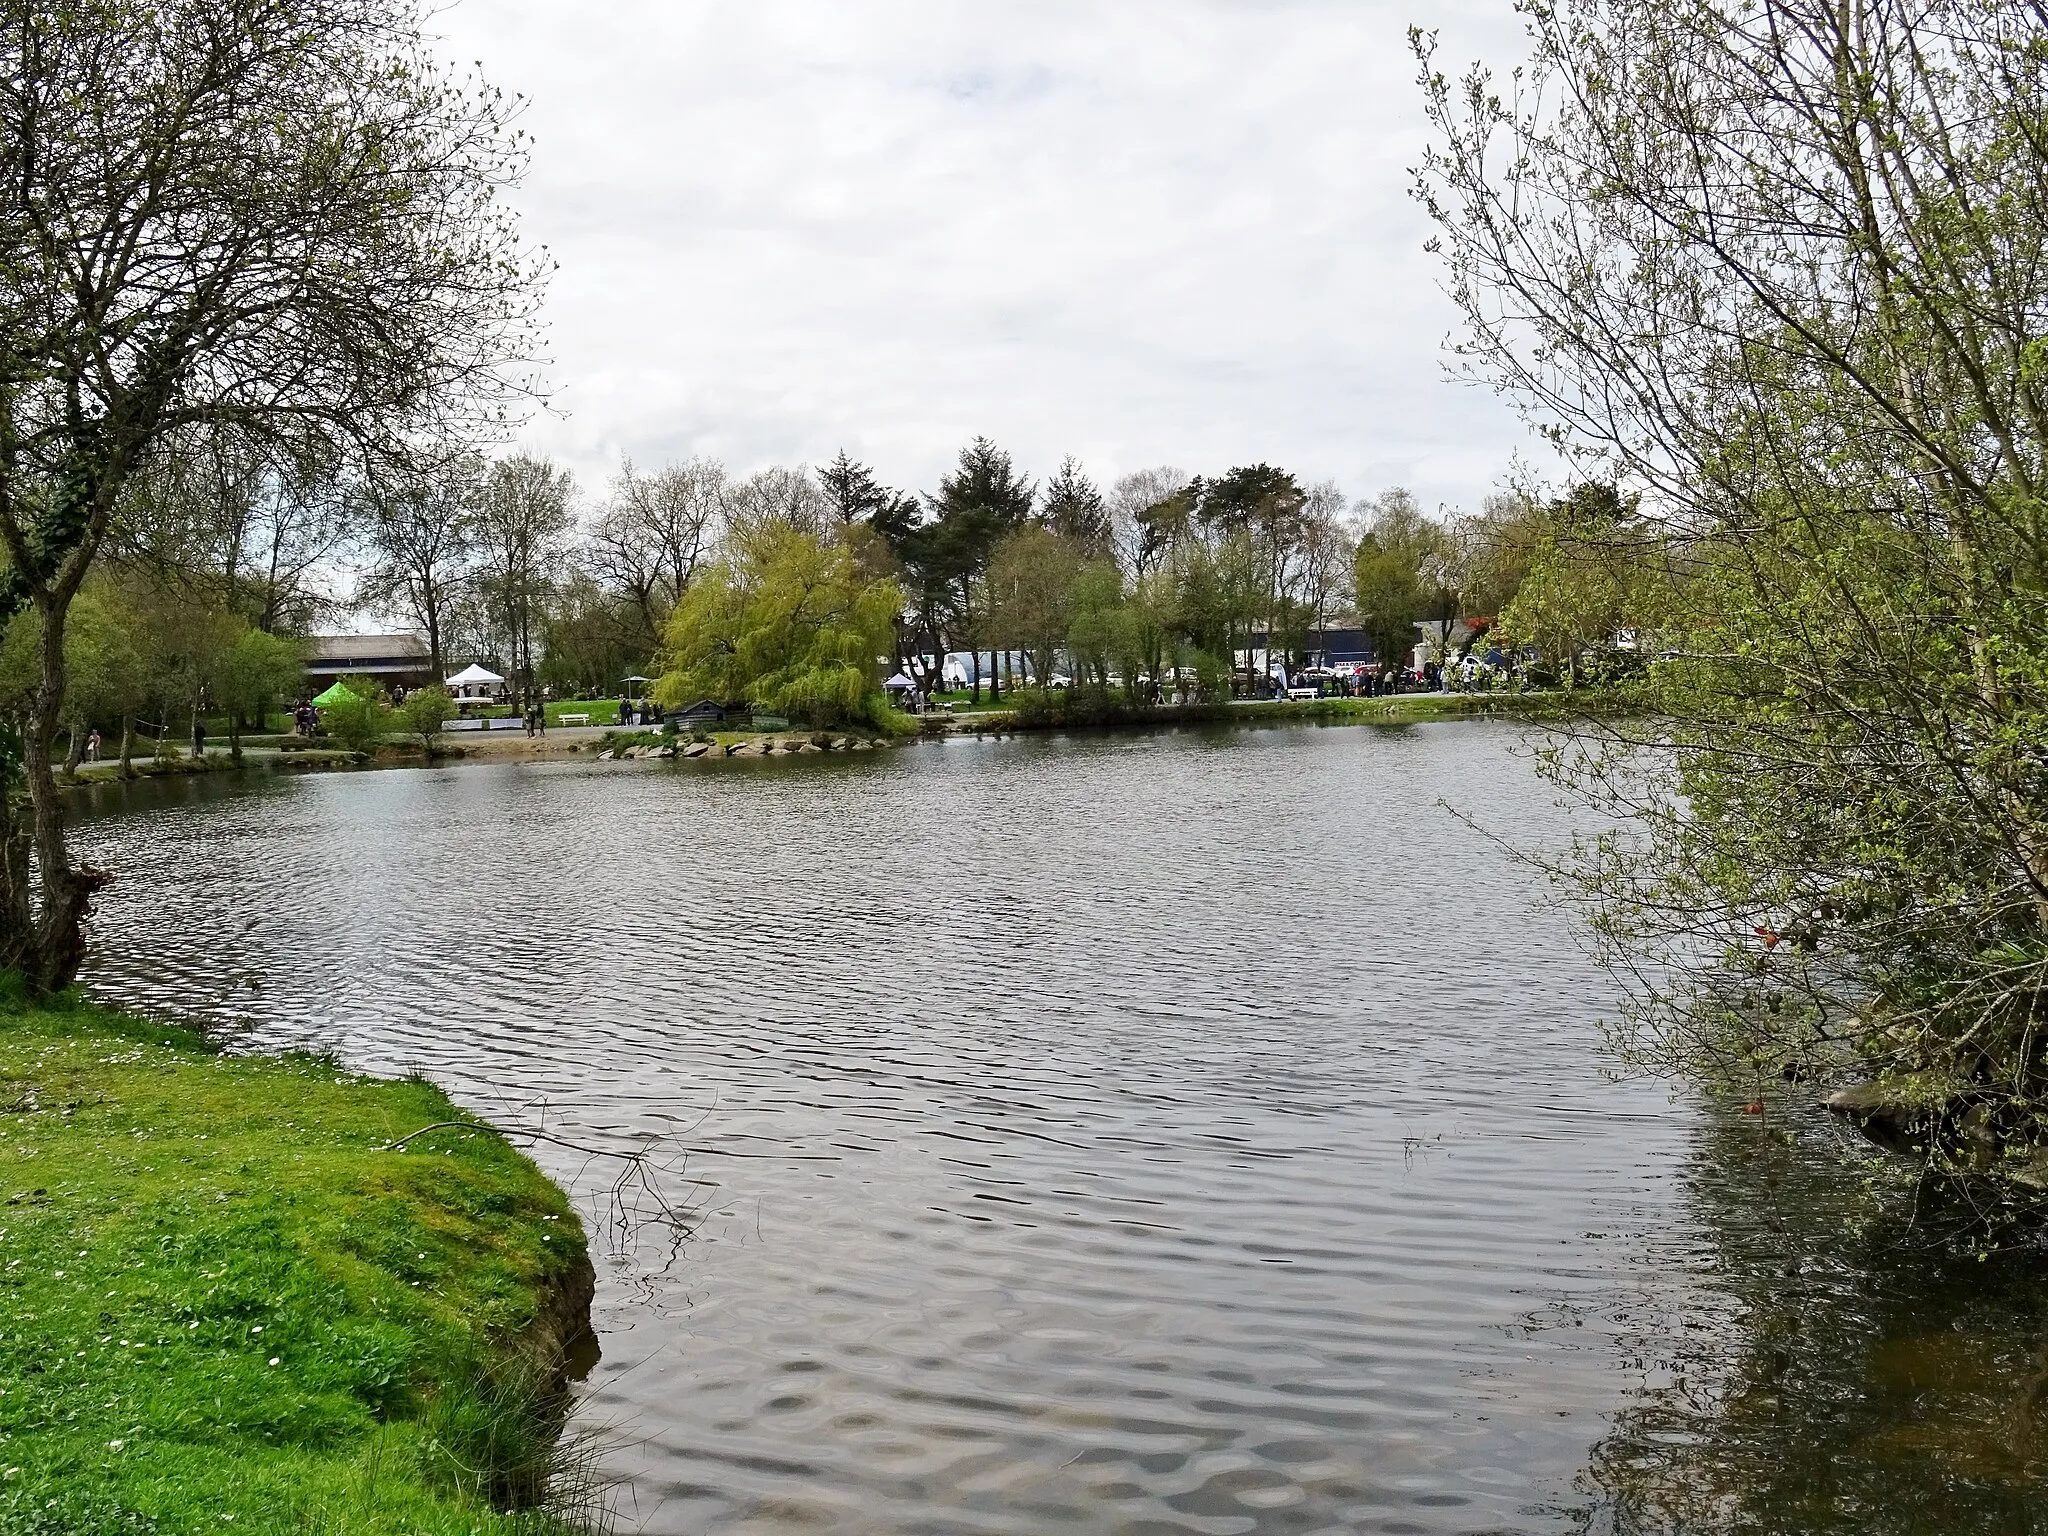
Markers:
<point>271,217</point>
<point>422,518</point>
<point>1327,550</point>
<point>1130,499</point>
<point>524,519</point>
<point>656,531</point>
<point>779,496</point>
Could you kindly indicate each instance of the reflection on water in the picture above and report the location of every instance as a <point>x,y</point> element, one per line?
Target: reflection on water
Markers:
<point>1199,1134</point>
<point>1842,1367</point>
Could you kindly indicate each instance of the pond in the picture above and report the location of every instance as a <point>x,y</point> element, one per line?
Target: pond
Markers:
<point>1202,1132</point>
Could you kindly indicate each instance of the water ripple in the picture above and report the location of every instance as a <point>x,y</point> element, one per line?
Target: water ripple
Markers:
<point>1111,1136</point>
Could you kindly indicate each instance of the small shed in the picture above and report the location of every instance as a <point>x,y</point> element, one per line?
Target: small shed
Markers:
<point>695,717</point>
<point>476,685</point>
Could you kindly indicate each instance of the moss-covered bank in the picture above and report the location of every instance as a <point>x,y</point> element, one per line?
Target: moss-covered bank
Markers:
<point>225,1306</point>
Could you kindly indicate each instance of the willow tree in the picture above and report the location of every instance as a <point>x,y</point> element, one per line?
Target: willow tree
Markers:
<point>274,219</point>
<point>1782,268</point>
<point>786,622</point>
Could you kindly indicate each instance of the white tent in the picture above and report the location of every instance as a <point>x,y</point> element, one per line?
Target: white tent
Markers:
<point>474,683</point>
<point>899,681</point>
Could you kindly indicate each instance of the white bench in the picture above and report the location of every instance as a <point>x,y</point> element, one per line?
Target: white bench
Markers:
<point>573,720</point>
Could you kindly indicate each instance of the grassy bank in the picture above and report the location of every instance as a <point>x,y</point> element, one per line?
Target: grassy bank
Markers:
<point>1055,712</point>
<point>223,1306</point>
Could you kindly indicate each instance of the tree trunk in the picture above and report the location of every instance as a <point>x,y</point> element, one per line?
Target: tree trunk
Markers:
<point>127,746</point>
<point>433,617</point>
<point>74,754</point>
<point>58,941</point>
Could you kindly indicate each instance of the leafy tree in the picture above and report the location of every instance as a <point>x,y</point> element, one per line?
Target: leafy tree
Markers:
<point>271,218</point>
<point>105,670</point>
<point>358,719</point>
<point>1099,629</point>
<point>982,500</point>
<point>182,639</point>
<point>424,711</point>
<point>592,638</point>
<point>1397,576</point>
<point>1591,577</point>
<point>856,496</point>
<point>1780,270</point>
<point>784,623</point>
<point>251,675</point>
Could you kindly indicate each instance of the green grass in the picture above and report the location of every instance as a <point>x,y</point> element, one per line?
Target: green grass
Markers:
<point>224,1307</point>
<point>1038,711</point>
<point>601,711</point>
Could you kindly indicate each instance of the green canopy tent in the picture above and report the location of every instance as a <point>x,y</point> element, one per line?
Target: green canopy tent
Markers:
<point>334,695</point>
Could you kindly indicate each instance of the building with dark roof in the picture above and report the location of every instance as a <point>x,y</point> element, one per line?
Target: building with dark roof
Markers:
<point>396,661</point>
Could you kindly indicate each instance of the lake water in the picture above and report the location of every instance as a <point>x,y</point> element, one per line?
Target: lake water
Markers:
<point>1190,1133</point>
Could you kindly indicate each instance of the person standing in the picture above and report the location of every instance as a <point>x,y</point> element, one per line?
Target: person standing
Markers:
<point>92,746</point>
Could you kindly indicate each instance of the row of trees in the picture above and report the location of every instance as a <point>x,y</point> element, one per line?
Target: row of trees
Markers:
<point>1162,573</point>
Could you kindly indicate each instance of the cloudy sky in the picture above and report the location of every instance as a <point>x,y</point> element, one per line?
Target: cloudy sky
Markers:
<point>1136,231</point>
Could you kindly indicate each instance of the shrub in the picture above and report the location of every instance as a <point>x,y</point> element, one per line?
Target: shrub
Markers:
<point>356,720</point>
<point>423,711</point>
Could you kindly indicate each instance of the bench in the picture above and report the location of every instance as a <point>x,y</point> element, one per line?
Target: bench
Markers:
<point>573,720</point>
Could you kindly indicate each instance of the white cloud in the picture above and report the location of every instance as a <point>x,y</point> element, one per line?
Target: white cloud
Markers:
<point>1141,232</point>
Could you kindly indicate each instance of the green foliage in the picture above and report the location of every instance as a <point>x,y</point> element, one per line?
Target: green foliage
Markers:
<point>1101,625</point>
<point>423,712</point>
<point>1806,323</point>
<point>227,1307</point>
<point>785,624</point>
<point>1592,576</point>
<point>105,674</point>
<point>357,720</point>
<point>1395,575</point>
<point>255,672</point>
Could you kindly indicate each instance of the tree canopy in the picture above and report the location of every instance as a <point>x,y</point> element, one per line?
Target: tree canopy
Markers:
<point>786,623</point>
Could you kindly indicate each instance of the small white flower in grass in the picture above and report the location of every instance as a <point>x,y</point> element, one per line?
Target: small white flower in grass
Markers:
<point>114,1445</point>
<point>10,1472</point>
<point>273,1359</point>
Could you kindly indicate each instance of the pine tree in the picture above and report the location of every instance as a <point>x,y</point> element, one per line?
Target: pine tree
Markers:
<point>1074,509</point>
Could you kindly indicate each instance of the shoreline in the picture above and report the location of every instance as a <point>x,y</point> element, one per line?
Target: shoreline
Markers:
<point>608,743</point>
<point>230,1298</point>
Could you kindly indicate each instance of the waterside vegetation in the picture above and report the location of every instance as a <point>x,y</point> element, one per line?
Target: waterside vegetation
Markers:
<point>1780,272</point>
